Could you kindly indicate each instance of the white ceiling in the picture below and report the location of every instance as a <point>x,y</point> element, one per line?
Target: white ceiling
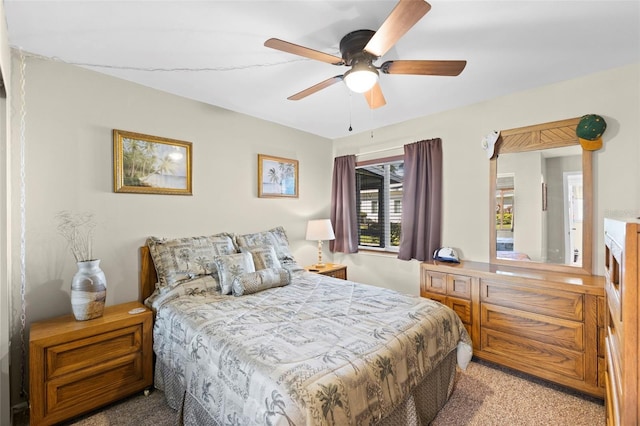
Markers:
<point>212,51</point>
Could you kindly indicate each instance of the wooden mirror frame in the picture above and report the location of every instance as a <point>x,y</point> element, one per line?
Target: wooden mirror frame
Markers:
<point>555,134</point>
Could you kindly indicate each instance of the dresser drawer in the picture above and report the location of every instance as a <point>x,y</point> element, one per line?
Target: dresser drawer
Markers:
<point>602,372</point>
<point>434,296</point>
<point>459,286</point>
<point>545,329</point>
<point>460,307</point>
<point>535,357</point>
<point>84,353</point>
<point>434,282</point>
<point>552,303</point>
<point>601,339</point>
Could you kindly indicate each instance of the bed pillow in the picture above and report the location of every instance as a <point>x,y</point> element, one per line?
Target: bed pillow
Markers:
<point>231,266</point>
<point>263,257</point>
<point>182,259</point>
<point>260,280</point>
<point>276,237</point>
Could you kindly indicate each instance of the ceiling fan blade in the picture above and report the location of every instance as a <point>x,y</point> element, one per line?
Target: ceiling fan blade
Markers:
<point>448,68</point>
<point>285,46</point>
<point>400,20</point>
<point>315,88</point>
<point>374,97</point>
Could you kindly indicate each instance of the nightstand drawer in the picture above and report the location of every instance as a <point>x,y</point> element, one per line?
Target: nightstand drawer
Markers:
<point>94,350</point>
<point>89,387</point>
<point>340,273</point>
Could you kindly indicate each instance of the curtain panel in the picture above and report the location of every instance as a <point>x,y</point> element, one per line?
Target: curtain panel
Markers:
<point>343,205</point>
<point>421,200</point>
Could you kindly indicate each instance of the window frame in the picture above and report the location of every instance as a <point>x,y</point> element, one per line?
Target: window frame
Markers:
<point>388,207</point>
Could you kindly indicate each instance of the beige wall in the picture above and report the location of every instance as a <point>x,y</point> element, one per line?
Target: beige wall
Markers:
<point>614,94</point>
<point>70,114</point>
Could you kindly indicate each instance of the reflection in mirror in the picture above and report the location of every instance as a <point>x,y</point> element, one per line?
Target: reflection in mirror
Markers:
<point>539,206</point>
<point>541,189</point>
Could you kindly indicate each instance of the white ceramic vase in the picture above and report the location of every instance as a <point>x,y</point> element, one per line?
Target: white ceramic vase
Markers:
<point>88,291</point>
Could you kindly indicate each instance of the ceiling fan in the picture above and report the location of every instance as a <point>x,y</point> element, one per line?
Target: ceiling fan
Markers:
<point>361,48</point>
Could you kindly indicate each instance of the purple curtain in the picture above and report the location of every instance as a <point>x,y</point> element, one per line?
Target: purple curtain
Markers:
<point>343,205</point>
<point>421,200</point>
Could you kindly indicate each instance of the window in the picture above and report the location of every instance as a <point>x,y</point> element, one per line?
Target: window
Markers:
<point>379,203</point>
<point>504,201</point>
<point>504,208</point>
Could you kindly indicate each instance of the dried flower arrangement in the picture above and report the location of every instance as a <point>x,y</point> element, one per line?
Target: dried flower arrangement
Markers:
<point>77,229</point>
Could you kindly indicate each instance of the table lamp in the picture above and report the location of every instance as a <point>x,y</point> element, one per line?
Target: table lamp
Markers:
<point>320,230</point>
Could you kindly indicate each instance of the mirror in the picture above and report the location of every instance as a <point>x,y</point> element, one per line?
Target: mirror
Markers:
<point>541,199</point>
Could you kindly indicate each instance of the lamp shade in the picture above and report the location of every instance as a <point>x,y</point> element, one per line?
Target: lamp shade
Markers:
<point>320,230</point>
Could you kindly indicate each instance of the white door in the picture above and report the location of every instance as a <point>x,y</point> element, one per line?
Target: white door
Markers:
<point>573,202</point>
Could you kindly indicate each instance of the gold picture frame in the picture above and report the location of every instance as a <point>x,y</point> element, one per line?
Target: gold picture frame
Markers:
<point>277,177</point>
<point>145,164</point>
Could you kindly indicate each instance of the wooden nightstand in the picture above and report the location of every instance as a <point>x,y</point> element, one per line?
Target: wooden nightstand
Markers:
<point>331,269</point>
<point>77,366</point>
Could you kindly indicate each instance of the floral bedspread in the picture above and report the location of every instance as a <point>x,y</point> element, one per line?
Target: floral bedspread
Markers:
<point>318,351</point>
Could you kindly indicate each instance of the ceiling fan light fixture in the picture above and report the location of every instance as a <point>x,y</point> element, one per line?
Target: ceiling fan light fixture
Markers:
<point>361,78</point>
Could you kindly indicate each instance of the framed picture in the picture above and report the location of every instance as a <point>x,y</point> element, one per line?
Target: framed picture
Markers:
<point>277,177</point>
<point>150,164</point>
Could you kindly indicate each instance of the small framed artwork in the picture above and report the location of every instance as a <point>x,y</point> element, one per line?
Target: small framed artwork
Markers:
<point>277,177</point>
<point>150,164</point>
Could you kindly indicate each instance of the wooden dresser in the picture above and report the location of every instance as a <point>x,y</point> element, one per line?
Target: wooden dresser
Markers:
<point>622,241</point>
<point>549,325</point>
<point>77,366</point>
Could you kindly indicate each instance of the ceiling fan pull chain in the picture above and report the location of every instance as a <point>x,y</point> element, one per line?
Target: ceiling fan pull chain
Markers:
<point>350,111</point>
<point>371,111</point>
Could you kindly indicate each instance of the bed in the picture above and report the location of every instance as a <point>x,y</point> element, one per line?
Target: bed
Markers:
<point>290,347</point>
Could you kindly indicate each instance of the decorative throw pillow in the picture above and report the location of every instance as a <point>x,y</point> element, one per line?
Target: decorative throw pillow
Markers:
<point>263,257</point>
<point>231,266</point>
<point>276,237</point>
<point>262,279</point>
<point>201,286</point>
<point>182,259</point>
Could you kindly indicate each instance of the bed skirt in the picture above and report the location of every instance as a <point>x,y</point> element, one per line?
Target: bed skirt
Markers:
<point>418,409</point>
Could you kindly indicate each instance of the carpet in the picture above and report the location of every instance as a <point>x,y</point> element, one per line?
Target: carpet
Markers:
<point>484,394</point>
